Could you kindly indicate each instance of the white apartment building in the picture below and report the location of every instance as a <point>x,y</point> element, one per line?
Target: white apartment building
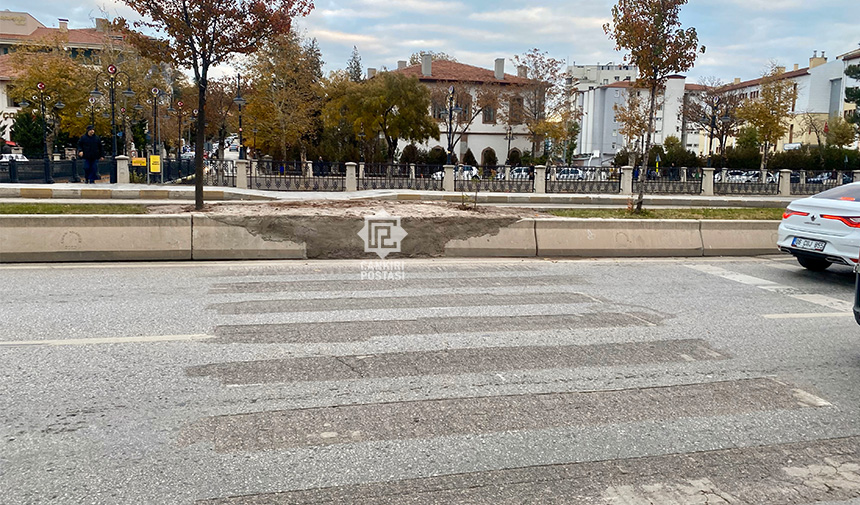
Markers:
<point>600,137</point>
<point>586,77</point>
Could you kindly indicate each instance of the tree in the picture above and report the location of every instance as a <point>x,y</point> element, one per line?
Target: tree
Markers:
<point>391,104</point>
<point>415,58</point>
<point>27,133</point>
<point>201,33</point>
<point>542,100</point>
<point>472,99</point>
<point>659,47</point>
<point>748,138</point>
<point>840,133</point>
<point>770,112</point>
<point>287,98</point>
<point>852,95</point>
<point>714,110</point>
<point>632,115</point>
<point>353,66</point>
<point>469,158</point>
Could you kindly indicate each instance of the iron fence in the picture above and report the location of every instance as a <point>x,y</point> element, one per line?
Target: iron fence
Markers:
<point>674,181</point>
<point>32,171</point>
<point>294,176</point>
<point>219,173</point>
<point>492,178</point>
<point>754,182</point>
<point>810,183</point>
<point>584,180</point>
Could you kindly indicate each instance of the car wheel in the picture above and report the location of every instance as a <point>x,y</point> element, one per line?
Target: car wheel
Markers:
<point>814,264</point>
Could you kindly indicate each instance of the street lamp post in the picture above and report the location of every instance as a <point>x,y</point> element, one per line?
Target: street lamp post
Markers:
<point>450,111</point>
<point>509,136</point>
<point>240,102</point>
<point>111,83</point>
<point>43,98</point>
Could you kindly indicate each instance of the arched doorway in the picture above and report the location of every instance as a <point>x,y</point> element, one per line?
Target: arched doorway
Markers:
<point>515,157</point>
<point>489,158</point>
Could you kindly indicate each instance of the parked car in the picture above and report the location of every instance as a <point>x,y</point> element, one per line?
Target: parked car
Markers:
<point>570,174</point>
<point>521,173</point>
<point>823,229</point>
<point>9,157</point>
<point>857,293</point>
<point>187,155</point>
<point>467,173</point>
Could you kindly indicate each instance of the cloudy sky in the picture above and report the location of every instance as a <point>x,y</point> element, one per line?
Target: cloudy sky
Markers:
<point>741,36</point>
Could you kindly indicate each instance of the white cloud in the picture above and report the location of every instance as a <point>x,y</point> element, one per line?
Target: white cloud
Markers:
<point>415,6</point>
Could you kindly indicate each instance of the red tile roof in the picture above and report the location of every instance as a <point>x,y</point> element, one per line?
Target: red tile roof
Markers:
<point>756,82</point>
<point>451,71</point>
<point>84,36</point>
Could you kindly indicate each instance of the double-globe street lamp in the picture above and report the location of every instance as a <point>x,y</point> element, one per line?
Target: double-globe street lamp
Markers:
<point>240,102</point>
<point>44,99</point>
<point>509,136</point>
<point>449,112</point>
<point>111,84</point>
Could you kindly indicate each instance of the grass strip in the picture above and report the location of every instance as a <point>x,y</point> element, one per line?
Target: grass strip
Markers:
<point>74,208</point>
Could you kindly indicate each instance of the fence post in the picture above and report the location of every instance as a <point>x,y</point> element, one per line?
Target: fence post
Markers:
<point>75,177</point>
<point>448,179</point>
<point>708,181</point>
<point>627,180</point>
<point>122,170</point>
<point>361,170</point>
<point>507,172</point>
<point>540,179</point>
<point>13,171</point>
<point>242,174</point>
<point>785,182</point>
<point>412,171</point>
<point>351,181</point>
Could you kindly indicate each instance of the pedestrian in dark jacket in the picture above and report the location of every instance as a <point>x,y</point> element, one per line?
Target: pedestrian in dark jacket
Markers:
<point>90,150</point>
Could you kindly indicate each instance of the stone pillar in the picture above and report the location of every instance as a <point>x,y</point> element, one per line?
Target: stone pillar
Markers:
<point>785,182</point>
<point>361,170</point>
<point>627,180</point>
<point>448,179</point>
<point>56,156</point>
<point>122,170</point>
<point>242,174</point>
<point>803,176</point>
<point>683,174</point>
<point>412,170</point>
<point>553,174</point>
<point>308,169</point>
<point>540,179</point>
<point>856,175</point>
<point>708,181</point>
<point>763,176</point>
<point>351,181</point>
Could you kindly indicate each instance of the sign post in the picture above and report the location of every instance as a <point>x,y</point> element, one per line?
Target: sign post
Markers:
<point>155,166</point>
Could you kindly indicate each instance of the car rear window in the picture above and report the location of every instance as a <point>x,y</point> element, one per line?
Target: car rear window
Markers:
<point>849,192</point>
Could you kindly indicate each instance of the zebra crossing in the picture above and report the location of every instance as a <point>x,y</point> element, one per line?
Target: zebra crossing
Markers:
<point>518,382</point>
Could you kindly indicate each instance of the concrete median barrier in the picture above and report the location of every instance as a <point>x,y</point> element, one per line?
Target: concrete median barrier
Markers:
<point>617,237</point>
<point>513,241</point>
<point>217,240</point>
<point>25,238</point>
<point>739,238</point>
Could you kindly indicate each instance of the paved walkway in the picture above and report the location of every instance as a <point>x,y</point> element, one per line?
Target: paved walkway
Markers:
<point>161,194</point>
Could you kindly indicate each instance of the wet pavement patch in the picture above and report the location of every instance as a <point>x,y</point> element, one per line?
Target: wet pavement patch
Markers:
<point>358,331</point>
<point>455,361</point>
<point>396,302</point>
<point>272,430</point>
<point>785,474</point>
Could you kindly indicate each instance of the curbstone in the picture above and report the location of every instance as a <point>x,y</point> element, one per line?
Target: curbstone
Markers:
<point>514,241</point>
<point>572,237</point>
<point>739,238</point>
<point>216,240</point>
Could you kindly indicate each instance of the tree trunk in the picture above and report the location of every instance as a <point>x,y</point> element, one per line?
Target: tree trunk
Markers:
<point>764,156</point>
<point>198,144</point>
<point>644,168</point>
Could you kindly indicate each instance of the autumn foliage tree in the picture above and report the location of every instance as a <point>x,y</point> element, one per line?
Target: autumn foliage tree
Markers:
<point>651,30</point>
<point>770,112</point>
<point>200,34</point>
<point>544,99</point>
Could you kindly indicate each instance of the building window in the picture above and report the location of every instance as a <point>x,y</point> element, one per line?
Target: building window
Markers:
<point>605,81</point>
<point>438,111</point>
<point>516,110</point>
<point>617,78</point>
<point>614,133</point>
<point>489,115</point>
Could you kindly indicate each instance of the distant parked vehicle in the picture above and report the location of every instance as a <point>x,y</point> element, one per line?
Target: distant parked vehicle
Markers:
<point>9,157</point>
<point>570,174</point>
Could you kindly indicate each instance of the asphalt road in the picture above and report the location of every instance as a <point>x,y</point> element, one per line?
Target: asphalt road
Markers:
<point>672,381</point>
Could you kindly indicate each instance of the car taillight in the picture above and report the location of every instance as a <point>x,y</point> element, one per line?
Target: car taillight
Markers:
<point>788,213</point>
<point>853,222</point>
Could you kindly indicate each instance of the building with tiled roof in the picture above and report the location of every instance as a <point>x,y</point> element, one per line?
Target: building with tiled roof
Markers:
<point>487,136</point>
<point>19,29</point>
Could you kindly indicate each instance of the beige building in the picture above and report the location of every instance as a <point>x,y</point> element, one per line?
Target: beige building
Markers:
<point>19,29</point>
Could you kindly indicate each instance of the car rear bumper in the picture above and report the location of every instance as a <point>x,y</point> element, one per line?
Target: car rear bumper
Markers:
<point>839,250</point>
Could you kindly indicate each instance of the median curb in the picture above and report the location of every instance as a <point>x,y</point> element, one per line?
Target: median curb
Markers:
<point>65,238</point>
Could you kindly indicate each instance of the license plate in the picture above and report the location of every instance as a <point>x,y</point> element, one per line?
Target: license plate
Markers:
<point>809,244</point>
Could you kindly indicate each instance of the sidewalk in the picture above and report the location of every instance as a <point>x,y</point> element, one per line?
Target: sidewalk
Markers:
<point>172,194</point>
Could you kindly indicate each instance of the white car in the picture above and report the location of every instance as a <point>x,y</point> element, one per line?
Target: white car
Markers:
<point>10,157</point>
<point>823,229</point>
<point>570,174</point>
